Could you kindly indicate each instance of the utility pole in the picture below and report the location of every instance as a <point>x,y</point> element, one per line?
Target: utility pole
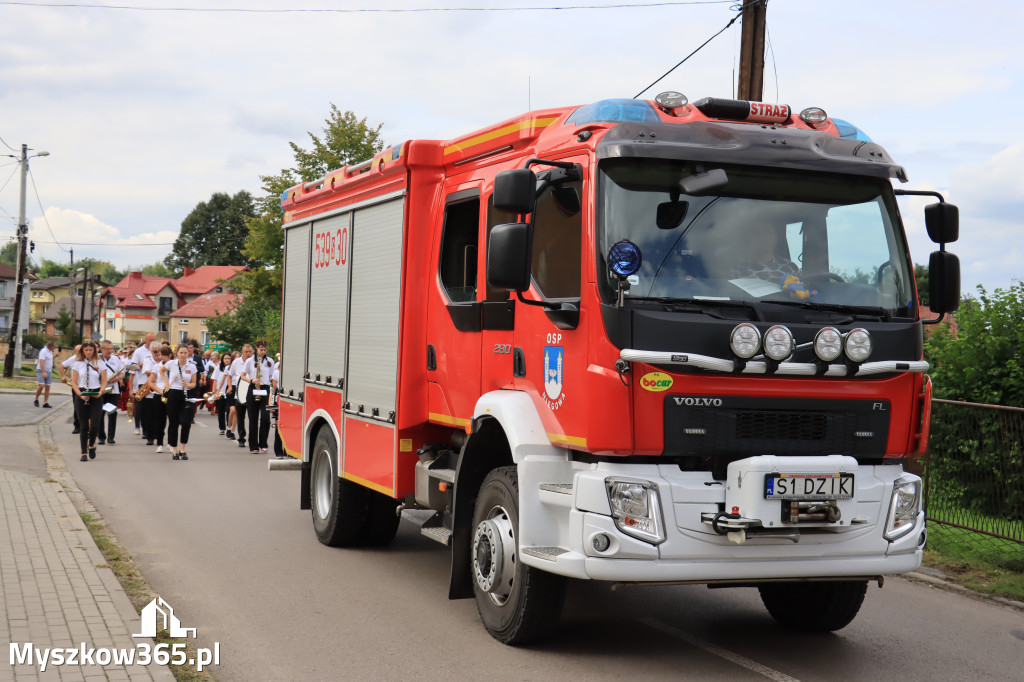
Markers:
<point>751,80</point>
<point>81,317</point>
<point>10,360</point>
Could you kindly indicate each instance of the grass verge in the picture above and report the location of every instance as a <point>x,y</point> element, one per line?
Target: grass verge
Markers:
<point>139,592</point>
<point>17,383</point>
<point>979,562</point>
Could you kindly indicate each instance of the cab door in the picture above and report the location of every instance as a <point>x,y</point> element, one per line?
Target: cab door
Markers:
<point>550,346</point>
<point>454,311</point>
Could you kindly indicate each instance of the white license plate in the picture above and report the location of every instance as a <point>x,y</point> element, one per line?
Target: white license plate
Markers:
<point>808,486</point>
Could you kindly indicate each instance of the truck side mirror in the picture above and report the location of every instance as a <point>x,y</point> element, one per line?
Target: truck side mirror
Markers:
<point>943,223</point>
<point>515,190</point>
<point>943,281</point>
<point>508,257</point>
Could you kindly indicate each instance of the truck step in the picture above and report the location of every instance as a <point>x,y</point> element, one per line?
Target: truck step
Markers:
<point>446,475</point>
<point>442,535</point>
<point>560,488</point>
<point>546,553</point>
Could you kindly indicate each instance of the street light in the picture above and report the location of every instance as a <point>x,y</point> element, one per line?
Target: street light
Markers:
<point>14,342</point>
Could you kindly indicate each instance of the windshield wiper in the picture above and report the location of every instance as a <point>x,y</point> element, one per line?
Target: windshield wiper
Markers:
<point>698,305</point>
<point>872,311</point>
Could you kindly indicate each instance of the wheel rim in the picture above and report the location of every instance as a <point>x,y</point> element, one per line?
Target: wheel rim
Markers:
<point>494,555</point>
<point>323,484</point>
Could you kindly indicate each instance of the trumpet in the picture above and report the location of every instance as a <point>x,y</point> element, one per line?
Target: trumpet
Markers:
<point>163,398</point>
<point>211,397</point>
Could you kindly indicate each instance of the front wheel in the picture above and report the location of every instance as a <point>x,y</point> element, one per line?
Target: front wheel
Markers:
<point>517,603</point>
<point>814,607</point>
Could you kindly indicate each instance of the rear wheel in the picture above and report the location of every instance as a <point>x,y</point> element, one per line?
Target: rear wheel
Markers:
<point>517,603</point>
<point>339,507</point>
<point>814,607</point>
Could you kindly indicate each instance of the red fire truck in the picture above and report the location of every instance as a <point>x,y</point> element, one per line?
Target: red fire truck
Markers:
<point>633,341</point>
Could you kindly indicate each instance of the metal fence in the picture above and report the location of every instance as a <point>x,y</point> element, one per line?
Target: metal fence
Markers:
<point>974,481</point>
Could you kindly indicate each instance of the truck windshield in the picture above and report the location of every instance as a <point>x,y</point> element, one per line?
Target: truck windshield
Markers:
<point>767,236</point>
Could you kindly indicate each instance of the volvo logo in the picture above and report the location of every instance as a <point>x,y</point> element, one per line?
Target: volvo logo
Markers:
<point>698,402</point>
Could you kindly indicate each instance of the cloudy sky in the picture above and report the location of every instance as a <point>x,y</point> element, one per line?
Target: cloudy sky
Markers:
<point>148,111</point>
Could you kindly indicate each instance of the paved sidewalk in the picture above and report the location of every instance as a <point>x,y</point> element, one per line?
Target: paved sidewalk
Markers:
<point>57,591</point>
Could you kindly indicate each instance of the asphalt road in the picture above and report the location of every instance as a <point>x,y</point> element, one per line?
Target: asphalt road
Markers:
<point>222,540</point>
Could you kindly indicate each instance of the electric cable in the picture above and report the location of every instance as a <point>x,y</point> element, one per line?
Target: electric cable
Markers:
<point>40,202</point>
<point>731,22</point>
<point>361,10</point>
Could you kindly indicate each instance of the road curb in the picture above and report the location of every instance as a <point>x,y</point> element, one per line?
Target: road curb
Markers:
<point>942,583</point>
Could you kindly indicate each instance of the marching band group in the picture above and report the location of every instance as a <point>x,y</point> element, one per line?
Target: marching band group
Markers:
<point>161,388</point>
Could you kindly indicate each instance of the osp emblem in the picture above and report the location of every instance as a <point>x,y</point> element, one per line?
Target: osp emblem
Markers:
<point>656,382</point>
<point>553,357</point>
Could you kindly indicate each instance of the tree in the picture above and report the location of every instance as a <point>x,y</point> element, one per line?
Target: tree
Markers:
<point>67,327</point>
<point>157,269</point>
<point>251,318</point>
<point>345,140</point>
<point>9,255</point>
<point>50,268</point>
<point>983,361</point>
<point>213,233</point>
<point>921,276</point>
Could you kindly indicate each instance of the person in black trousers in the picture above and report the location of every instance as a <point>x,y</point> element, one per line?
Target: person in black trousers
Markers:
<point>258,371</point>
<point>179,377</point>
<point>115,373</point>
<point>157,412</point>
<point>88,382</point>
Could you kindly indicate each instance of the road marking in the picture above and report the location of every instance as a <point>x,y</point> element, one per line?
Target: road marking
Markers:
<point>753,666</point>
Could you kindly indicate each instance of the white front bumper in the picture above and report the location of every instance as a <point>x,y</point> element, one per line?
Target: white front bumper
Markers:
<point>558,525</point>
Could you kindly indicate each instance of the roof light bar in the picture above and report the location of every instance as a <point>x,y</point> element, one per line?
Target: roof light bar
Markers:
<point>742,110</point>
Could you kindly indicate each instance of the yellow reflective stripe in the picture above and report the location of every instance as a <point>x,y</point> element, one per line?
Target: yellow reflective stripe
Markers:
<point>500,132</point>
<point>369,484</point>
<point>562,439</point>
<point>447,419</point>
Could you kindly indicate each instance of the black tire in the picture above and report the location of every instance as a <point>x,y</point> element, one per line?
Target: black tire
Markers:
<point>382,520</point>
<point>339,507</point>
<point>519,604</point>
<point>814,607</point>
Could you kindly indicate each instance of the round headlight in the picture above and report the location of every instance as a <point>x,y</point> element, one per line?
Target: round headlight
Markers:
<point>778,343</point>
<point>858,345</point>
<point>828,344</point>
<point>745,340</point>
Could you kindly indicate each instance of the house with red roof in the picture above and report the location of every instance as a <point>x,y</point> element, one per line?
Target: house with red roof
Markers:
<point>189,321</point>
<point>140,304</point>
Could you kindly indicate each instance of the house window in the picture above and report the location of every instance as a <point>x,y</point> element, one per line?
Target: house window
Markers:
<point>110,301</point>
<point>183,320</point>
<point>182,337</point>
<point>110,324</point>
<point>204,338</point>
<point>3,289</point>
<point>161,326</point>
<point>220,290</point>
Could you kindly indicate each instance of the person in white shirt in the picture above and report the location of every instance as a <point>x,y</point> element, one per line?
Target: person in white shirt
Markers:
<point>257,371</point>
<point>44,373</point>
<point>179,377</point>
<point>275,387</point>
<point>156,407</point>
<point>138,378</point>
<point>115,374</point>
<point>236,376</point>
<point>221,382</point>
<point>65,377</point>
<point>88,382</point>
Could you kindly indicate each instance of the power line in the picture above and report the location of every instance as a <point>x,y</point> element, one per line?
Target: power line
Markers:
<point>362,10</point>
<point>2,140</point>
<point>41,241</point>
<point>659,78</point>
<point>39,201</point>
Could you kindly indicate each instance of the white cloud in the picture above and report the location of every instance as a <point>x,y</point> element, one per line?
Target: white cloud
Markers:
<point>90,237</point>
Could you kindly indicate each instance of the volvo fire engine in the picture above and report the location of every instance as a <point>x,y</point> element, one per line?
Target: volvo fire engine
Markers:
<point>637,341</point>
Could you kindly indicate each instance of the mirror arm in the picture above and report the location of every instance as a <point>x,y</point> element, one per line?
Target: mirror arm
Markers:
<point>540,304</point>
<point>919,193</point>
<point>938,319</point>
